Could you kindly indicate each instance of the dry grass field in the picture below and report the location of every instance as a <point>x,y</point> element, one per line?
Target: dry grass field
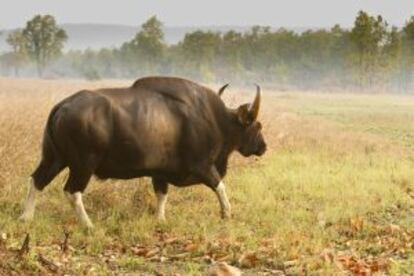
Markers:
<point>333,195</point>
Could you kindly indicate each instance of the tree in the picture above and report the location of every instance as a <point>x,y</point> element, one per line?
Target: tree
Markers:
<point>148,45</point>
<point>406,62</point>
<point>231,55</point>
<point>19,53</point>
<point>199,51</point>
<point>392,57</point>
<point>44,40</point>
<point>370,54</point>
<point>368,36</point>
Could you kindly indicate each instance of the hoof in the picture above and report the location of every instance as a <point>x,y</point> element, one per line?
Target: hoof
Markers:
<point>87,230</point>
<point>86,224</point>
<point>161,219</point>
<point>89,225</point>
<point>226,215</point>
<point>26,217</point>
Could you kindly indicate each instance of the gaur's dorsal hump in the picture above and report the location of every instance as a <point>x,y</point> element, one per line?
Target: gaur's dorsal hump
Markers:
<point>155,82</point>
<point>175,88</point>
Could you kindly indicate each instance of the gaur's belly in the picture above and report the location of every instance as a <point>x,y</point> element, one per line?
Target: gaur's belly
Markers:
<point>174,174</point>
<point>176,179</point>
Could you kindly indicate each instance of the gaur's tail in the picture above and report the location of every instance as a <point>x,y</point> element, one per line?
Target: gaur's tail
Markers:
<point>49,147</point>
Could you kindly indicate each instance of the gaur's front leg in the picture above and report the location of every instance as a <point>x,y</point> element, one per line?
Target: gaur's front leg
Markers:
<point>224,201</point>
<point>213,180</point>
<point>161,190</point>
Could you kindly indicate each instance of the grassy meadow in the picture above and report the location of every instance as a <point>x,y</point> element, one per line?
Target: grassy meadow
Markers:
<point>333,195</point>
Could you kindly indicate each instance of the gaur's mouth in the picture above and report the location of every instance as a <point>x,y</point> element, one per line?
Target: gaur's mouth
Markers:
<point>261,151</point>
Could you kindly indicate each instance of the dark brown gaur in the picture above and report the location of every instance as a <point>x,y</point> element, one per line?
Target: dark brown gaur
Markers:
<point>170,129</point>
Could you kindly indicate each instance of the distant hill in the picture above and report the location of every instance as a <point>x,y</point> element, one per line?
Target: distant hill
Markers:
<point>95,36</point>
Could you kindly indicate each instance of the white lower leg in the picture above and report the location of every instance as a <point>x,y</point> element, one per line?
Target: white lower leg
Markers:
<point>77,203</point>
<point>30,204</point>
<point>161,201</point>
<point>224,201</point>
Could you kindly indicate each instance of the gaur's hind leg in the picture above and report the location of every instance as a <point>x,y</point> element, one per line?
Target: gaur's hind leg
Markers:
<point>213,180</point>
<point>161,190</point>
<point>42,176</point>
<point>30,203</point>
<point>76,184</point>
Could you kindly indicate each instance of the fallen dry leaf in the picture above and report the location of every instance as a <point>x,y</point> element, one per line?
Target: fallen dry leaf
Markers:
<point>152,252</point>
<point>139,251</point>
<point>327,255</point>
<point>357,224</point>
<point>223,269</point>
<point>170,240</point>
<point>393,228</point>
<point>248,260</point>
<point>290,263</point>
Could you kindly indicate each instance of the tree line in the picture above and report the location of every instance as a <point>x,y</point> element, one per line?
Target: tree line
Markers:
<point>370,55</point>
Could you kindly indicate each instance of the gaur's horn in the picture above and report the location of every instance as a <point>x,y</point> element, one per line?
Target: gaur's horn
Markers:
<point>222,89</point>
<point>255,106</point>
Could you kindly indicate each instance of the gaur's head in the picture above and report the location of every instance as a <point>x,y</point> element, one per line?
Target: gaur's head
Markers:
<point>250,140</point>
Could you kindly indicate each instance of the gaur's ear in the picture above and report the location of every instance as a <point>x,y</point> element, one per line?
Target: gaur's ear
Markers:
<point>244,115</point>
<point>221,90</point>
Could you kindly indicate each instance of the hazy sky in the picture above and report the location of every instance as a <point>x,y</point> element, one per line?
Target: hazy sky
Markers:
<point>288,13</point>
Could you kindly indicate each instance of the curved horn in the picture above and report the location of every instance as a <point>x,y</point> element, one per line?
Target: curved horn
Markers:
<point>222,89</point>
<point>255,106</point>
